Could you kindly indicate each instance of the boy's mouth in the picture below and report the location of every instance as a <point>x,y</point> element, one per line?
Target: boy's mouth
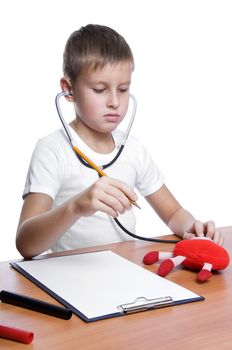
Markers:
<point>112,117</point>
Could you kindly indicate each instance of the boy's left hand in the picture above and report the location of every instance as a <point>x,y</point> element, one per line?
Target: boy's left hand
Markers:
<point>206,229</point>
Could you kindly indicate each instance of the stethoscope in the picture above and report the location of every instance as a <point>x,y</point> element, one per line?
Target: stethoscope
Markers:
<point>72,142</point>
<point>127,132</point>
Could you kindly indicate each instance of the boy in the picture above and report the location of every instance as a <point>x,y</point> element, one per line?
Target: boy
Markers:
<point>66,205</point>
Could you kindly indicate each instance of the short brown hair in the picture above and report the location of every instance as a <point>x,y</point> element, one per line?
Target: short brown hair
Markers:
<point>94,46</point>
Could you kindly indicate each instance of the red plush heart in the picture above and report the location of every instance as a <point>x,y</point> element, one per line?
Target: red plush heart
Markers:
<point>200,251</point>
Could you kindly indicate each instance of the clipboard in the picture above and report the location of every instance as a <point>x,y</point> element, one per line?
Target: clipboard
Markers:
<point>102,284</point>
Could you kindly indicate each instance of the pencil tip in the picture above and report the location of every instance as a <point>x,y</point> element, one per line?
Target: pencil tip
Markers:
<point>135,204</point>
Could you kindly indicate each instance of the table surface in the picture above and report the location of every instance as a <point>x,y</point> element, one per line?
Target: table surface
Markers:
<point>205,324</point>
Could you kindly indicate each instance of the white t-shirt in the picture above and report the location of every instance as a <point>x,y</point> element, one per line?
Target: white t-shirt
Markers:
<point>56,171</point>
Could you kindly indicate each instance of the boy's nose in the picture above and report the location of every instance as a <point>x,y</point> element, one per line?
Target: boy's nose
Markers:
<point>113,101</point>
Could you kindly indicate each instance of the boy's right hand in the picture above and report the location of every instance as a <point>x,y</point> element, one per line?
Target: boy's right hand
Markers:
<point>108,195</point>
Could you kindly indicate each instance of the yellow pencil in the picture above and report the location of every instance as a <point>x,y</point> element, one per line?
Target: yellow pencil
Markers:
<point>94,166</point>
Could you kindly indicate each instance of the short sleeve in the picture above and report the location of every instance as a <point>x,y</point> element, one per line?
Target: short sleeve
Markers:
<point>149,178</point>
<point>45,169</point>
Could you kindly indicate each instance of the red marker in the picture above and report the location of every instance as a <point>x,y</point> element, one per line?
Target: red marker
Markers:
<point>16,334</point>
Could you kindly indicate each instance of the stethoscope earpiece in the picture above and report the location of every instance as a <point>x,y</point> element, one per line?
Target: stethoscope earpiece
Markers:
<point>67,93</point>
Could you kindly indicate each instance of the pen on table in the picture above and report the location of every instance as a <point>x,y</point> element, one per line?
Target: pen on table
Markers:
<point>97,168</point>
<point>35,304</point>
<point>17,334</point>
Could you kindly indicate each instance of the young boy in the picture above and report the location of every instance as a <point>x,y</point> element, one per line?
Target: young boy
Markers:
<point>66,205</point>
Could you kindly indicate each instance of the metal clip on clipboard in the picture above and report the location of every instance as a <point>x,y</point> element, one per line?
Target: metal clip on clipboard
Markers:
<point>143,304</point>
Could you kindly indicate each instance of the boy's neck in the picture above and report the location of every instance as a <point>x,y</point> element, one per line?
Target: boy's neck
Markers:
<point>98,142</point>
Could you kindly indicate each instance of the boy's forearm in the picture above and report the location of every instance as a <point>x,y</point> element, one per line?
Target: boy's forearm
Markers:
<point>37,234</point>
<point>181,221</point>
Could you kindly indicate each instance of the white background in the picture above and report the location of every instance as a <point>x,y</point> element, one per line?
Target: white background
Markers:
<point>182,80</point>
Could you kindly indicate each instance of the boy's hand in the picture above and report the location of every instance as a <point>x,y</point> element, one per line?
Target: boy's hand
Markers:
<point>207,230</point>
<point>108,195</point>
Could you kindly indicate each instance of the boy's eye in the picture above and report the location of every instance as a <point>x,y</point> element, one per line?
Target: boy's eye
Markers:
<point>98,91</point>
<point>101,90</point>
<point>123,89</point>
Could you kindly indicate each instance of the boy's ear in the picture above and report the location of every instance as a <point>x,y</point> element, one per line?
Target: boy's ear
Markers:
<point>66,86</point>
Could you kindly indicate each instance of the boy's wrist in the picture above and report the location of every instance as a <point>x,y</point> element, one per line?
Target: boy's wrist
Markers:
<point>73,211</point>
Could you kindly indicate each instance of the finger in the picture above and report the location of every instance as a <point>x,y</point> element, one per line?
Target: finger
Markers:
<point>120,197</point>
<point>221,241</point>
<point>209,229</point>
<point>92,200</point>
<point>113,203</point>
<point>107,209</point>
<point>188,235</point>
<point>99,200</point>
<point>110,195</point>
<point>128,192</point>
<point>199,228</point>
<point>218,238</point>
<point>119,190</point>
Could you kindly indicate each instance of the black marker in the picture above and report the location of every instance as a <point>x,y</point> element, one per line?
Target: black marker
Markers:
<point>35,304</point>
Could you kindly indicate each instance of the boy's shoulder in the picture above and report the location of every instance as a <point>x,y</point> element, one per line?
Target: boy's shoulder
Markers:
<point>54,137</point>
<point>54,142</point>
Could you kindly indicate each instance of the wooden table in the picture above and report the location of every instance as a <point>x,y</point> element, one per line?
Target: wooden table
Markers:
<point>203,325</point>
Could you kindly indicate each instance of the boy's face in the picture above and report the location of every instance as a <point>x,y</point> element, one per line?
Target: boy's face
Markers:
<point>101,96</point>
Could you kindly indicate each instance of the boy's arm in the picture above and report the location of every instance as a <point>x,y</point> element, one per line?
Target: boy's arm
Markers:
<point>40,226</point>
<point>179,220</point>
